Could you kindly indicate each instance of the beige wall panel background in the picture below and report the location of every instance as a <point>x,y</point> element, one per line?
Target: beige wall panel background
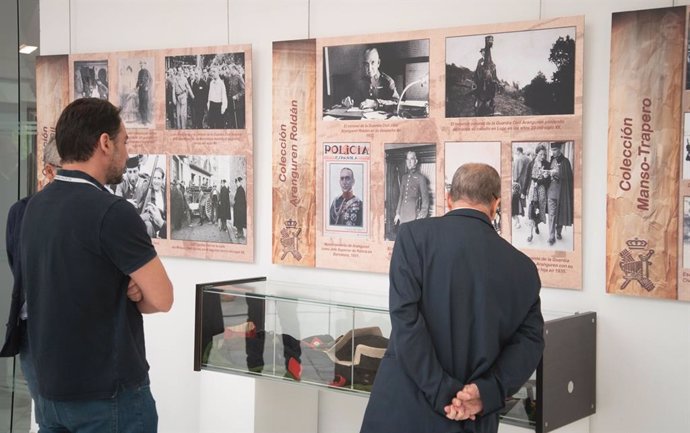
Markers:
<point>632,358</point>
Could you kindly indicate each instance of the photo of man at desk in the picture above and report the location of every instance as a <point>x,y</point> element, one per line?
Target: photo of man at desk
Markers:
<point>375,89</point>
<point>376,82</point>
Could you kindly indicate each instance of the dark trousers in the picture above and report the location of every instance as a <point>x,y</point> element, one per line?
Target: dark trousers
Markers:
<point>554,228</point>
<point>27,364</point>
<point>215,118</point>
<point>198,115</point>
<point>235,114</point>
<point>144,106</point>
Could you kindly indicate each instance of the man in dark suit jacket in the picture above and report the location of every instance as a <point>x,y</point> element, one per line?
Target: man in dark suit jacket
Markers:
<point>16,341</point>
<point>466,318</point>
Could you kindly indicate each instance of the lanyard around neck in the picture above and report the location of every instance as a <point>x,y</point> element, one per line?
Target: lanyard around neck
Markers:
<point>76,180</point>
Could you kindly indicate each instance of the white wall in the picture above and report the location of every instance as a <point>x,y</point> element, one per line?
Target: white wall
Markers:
<point>643,367</point>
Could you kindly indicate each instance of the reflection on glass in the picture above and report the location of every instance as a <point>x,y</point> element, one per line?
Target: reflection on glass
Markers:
<point>301,339</point>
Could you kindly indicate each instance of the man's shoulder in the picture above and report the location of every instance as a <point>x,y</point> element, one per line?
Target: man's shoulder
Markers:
<point>385,77</point>
<point>20,205</point>
<point>521,260</point>
<point>418,175</point>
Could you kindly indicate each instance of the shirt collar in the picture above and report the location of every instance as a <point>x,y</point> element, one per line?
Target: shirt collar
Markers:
<point>470,213</point>
<point>80,175</point>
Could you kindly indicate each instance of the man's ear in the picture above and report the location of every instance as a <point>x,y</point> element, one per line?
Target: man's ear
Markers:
<point>449,201</point>
<point>105,144</point>
<point>494,209</point>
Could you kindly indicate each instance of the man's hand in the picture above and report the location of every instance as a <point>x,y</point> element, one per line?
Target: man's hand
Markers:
<point>369,104</point>
<point>134,292</point>
<point>347,102</point>
<point>155,213</point>
<point>466,404</point>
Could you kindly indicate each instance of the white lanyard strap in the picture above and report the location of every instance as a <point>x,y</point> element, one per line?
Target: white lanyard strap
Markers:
<point>76,180</point>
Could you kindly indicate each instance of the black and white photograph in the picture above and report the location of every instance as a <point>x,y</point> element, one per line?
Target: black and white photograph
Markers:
<point>376,81</point>
<point>205,91</point>
<point>410,173</point>
<point>463,152</point>
<point>208,198</point>
<point>347,192</point>
<point>685,148</point>
<point>542,195</point>
<point>511,74</point>
<point>91,79</point>
<point>144,186</point>
<point>135,89</point>
<point>686,232</point>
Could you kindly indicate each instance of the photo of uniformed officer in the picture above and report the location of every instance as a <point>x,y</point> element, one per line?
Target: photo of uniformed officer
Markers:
<point>410,172</point>
<point>346,186</point>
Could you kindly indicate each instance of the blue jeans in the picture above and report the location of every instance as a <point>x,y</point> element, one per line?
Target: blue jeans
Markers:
<point>131,410</point>
<point>27,364</point>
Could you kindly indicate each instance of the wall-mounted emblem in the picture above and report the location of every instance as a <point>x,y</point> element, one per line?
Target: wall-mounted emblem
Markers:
<point>289,239</point>
<point>636,270</point>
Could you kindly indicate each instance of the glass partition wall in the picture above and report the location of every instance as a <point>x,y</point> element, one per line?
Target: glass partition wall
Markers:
<point>19,25</point>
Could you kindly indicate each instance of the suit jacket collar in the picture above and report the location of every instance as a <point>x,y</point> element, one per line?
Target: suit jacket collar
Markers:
<point>471,213</point>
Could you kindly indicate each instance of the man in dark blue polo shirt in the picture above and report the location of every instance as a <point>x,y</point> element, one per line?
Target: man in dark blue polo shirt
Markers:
<point>90,270</point>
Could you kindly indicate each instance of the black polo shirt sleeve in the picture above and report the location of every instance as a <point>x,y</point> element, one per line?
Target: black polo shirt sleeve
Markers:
<point>124,239</point>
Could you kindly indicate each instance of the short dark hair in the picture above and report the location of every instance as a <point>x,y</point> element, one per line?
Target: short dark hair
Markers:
<point>81,124</point>
<point>476,183</point>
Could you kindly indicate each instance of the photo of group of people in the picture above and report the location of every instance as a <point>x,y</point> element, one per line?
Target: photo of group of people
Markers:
<point>205,91</point>
<point>208,198</point>
<point>542,195</point>
<point>135,89</point>
<point>144,186</point>
<point>376,81</point>
<point>91,79</point>
<point>521,73</point>
<point>190,188</point>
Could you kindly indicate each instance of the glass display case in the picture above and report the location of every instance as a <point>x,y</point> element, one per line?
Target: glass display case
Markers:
<point>319,336</point>
<point>290,332</point>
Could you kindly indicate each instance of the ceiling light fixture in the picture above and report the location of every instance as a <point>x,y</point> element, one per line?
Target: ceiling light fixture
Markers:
<point>27,49</point>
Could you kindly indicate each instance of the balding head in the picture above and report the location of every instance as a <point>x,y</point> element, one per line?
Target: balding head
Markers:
<point>476,184</point>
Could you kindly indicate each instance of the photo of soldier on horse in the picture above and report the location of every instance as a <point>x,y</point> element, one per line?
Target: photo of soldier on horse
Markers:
<point>524,73</point>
